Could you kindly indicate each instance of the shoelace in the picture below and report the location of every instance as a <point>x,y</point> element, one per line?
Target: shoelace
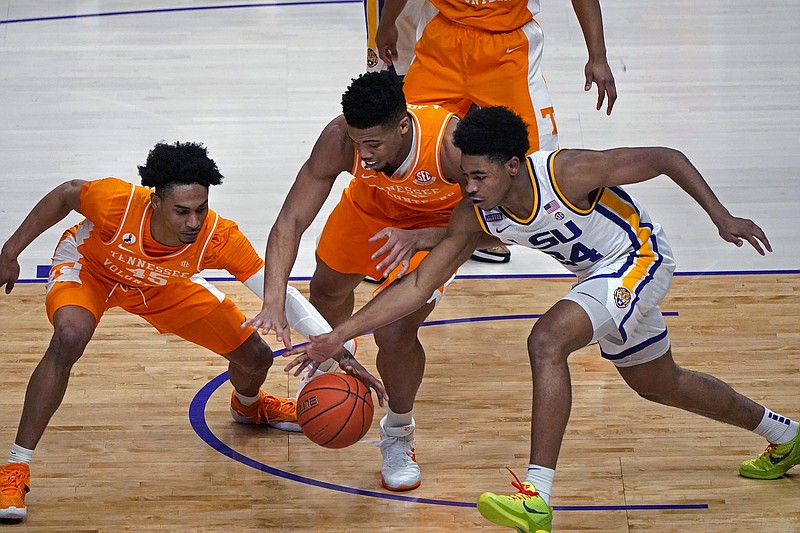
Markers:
<point>280,405</point>
<point>11,482</point>
<point>397,459</point>
<point>523,493</point>
<point>768,451</point>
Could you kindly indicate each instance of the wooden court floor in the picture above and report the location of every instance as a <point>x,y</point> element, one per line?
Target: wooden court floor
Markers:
<point>144,441</point>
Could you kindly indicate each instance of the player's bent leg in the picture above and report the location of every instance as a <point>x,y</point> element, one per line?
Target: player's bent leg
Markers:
<point>774,462</point>
<point>525,511</point>
<point>249,359</point>
<point>247,370</point>
<point>73,328</point>
<point>663,381</point>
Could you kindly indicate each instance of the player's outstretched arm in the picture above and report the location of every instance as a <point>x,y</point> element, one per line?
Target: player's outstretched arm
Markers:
<point>581,171</point>
<point>331,155</point>
<point>50,210</point>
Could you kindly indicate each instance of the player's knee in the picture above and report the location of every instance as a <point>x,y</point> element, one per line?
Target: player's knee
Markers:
<point>396,338</point>
<point>543,350</point>
<point>321,292</point>
<point>253,356</point>
<point>67,345</point>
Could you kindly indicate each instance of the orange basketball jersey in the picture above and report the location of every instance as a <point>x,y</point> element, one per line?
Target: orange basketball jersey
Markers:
<point>500,15</point>
<point>115,243</point>
<point>419,185</point>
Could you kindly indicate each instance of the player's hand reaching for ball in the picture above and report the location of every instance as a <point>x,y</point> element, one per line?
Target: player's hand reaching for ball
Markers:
<point>347,362</point>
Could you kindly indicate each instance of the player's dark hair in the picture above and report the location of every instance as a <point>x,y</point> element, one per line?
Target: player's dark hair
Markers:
<point>496,133</point>
<point>374,99</point>
<point>187,163</point>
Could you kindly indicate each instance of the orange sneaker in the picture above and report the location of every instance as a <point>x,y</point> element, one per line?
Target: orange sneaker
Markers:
<point>15,483</point>
<point>280,413</point>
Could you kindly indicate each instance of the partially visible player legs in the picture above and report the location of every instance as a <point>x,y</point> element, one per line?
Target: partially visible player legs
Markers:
<point>249,360</point>
<point>401,364</point>
<point>73,328</point>
<point>559,332</point>
<point>665,382</point>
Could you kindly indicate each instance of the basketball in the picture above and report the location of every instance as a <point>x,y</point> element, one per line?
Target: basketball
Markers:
<point>335,410</point>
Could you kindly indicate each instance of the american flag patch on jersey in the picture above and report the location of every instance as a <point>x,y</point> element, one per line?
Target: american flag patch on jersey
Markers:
<point>551,206</point>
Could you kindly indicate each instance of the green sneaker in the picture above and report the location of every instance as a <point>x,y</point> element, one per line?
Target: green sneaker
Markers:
<point>776,460</point>
<point>525,511</point>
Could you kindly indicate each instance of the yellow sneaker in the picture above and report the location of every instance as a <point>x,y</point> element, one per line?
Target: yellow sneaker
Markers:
<point>14,485</point>
<point>280,413</point>
<point>525,511</point>
<point>776,460</point>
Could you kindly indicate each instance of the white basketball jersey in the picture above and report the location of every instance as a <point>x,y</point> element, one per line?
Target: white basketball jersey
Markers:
<point>615,229</point>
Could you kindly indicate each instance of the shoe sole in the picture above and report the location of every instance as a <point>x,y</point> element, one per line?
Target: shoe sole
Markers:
<point>291,427</point>
<point>399,488</point>
<point>758,475</point>
<point>13,513</point>
<point>496,516</point>
<point>486,258</point>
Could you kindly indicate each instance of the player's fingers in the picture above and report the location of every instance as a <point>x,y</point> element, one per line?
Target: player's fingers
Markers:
<point>755,244</point>
<point>601,95</point>
<point>299,362</point>
<point>611,91</point>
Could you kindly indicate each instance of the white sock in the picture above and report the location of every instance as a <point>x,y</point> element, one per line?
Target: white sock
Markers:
<point>20,455</point>
<point>247,401</point>
<point>775,428</point>
<point>398,420</point>
<point>541,477</point>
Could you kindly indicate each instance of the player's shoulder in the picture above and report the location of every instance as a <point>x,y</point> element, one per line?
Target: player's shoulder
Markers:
<point>333,150</point>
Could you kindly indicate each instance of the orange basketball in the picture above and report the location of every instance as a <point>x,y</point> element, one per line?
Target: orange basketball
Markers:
<point>335,410</point>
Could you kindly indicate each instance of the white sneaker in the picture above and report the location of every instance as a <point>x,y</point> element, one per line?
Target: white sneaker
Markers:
<point>399,470</point>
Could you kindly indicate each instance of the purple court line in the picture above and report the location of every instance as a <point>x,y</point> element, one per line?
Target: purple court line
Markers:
<point>43,270</point>
<point>200,426</point>
<point>177,9</point>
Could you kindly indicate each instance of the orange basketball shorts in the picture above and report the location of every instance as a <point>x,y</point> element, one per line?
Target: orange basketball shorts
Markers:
<point>457,65</point>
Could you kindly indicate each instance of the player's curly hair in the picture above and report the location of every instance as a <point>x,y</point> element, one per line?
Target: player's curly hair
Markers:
<point>374,99</point>
<point>496,133</point>
<point>187,163</point>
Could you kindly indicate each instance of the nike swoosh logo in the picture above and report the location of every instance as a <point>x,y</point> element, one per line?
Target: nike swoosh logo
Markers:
<point>123,248</point>
<point>777,460</point>
<point>509,50</point>
<point>534,511</point>
<point>501,230</point>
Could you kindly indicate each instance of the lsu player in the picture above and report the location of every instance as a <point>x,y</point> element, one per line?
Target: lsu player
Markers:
<point>570,204</point>
<point>141,249</point>
<point>397,205</point>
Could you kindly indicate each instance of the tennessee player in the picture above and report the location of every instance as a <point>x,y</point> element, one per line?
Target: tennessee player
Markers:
<point>490,53</point>
<point>397,205</point>
<point>142,250</point>
<point>571,205</point>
